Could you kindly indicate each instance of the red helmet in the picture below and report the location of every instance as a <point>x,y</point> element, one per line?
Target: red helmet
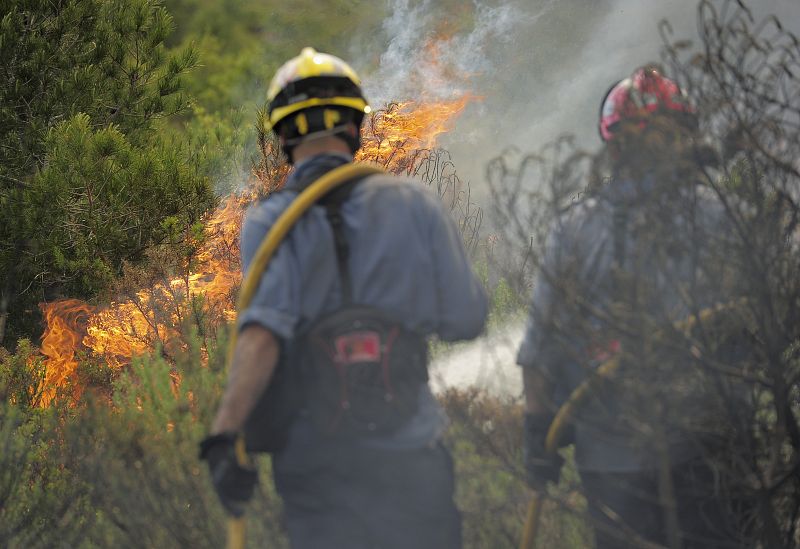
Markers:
<point>645,92</point>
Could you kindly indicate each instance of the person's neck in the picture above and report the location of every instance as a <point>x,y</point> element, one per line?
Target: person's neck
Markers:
<point>328,144</point>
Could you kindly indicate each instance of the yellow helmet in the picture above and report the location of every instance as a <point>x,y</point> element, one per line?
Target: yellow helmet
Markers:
<point>314,79</point>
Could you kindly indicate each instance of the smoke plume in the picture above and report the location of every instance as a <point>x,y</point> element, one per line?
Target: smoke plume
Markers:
<point>425,59</point>
<point>539,67</point>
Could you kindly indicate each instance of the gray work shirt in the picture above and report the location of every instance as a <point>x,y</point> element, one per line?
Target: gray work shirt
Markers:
<point>406,257</point>
<point>581,248</point>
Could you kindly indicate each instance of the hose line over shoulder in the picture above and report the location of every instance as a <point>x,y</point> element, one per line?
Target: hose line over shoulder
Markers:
<point>266,250</point>
<point>285,222</point>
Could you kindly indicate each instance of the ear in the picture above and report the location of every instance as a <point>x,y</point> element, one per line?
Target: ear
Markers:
<point>351,129</point>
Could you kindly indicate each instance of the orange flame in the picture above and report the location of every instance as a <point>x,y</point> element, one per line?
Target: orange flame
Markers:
<point>65,322</point>
<point>152,316</point>
<point>395,135</point>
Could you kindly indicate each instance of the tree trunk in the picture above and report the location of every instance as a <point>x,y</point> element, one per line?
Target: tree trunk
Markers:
<point>4,303</point>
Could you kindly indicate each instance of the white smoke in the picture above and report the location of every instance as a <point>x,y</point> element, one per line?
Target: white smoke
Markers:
<point>408,70</point>
<point>540,67</point>
<point>488,362</point>
<point>561,61</point>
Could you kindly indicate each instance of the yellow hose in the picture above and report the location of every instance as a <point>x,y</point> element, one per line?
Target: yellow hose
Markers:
<point>567,410</point>
<point>275,236</point>
<point>236,524</point>
<point>562,419</point>
<point>235,533</point>
<point>531,522</point>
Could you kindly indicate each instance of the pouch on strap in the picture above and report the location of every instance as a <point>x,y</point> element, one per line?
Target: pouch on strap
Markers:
<point>362,369</point>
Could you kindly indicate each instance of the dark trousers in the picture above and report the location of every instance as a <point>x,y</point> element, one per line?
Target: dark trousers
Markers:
<point>365,498</point>
<point>622,504</point>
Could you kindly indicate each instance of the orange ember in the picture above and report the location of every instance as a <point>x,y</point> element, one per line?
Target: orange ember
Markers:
<point>152,315</point>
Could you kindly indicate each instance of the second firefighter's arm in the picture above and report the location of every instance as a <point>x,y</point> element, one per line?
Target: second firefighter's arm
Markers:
<point>538,354</point>
<point>254,361</point>
<point>538,391</point>
<point>538,366</point>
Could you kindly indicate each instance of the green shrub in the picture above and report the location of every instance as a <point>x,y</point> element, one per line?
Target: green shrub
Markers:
<point>21,375</point>
<point>486,440</point>
<point>139,457</point>
<point>42,504</point>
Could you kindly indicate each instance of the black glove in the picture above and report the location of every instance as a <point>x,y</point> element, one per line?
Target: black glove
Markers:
<point>540,466</point>
<point>233,482</point>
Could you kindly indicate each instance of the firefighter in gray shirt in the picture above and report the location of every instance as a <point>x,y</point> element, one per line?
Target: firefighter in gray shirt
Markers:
<point>392,248</point>
<point>642,246</point>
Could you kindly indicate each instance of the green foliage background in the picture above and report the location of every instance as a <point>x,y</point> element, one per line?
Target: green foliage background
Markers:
<point>121,121</point>
<point>88,89</point>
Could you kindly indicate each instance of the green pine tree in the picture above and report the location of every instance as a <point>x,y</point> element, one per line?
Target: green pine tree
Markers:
<point>87,180</point>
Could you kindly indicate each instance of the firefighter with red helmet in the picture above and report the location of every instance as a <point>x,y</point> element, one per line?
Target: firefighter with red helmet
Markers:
<point>621,267</point>
<point>636,99</point>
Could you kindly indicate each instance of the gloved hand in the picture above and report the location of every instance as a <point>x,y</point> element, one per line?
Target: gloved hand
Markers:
<point>540,466</point>
<point>233,481</point>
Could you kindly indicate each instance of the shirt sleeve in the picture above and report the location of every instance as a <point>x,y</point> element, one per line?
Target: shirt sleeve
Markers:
<point>275,305</point>
<point>462,303</point>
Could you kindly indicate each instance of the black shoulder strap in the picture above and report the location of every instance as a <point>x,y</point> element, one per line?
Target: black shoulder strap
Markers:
<point>333,204</point>
<point>620,230</point>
